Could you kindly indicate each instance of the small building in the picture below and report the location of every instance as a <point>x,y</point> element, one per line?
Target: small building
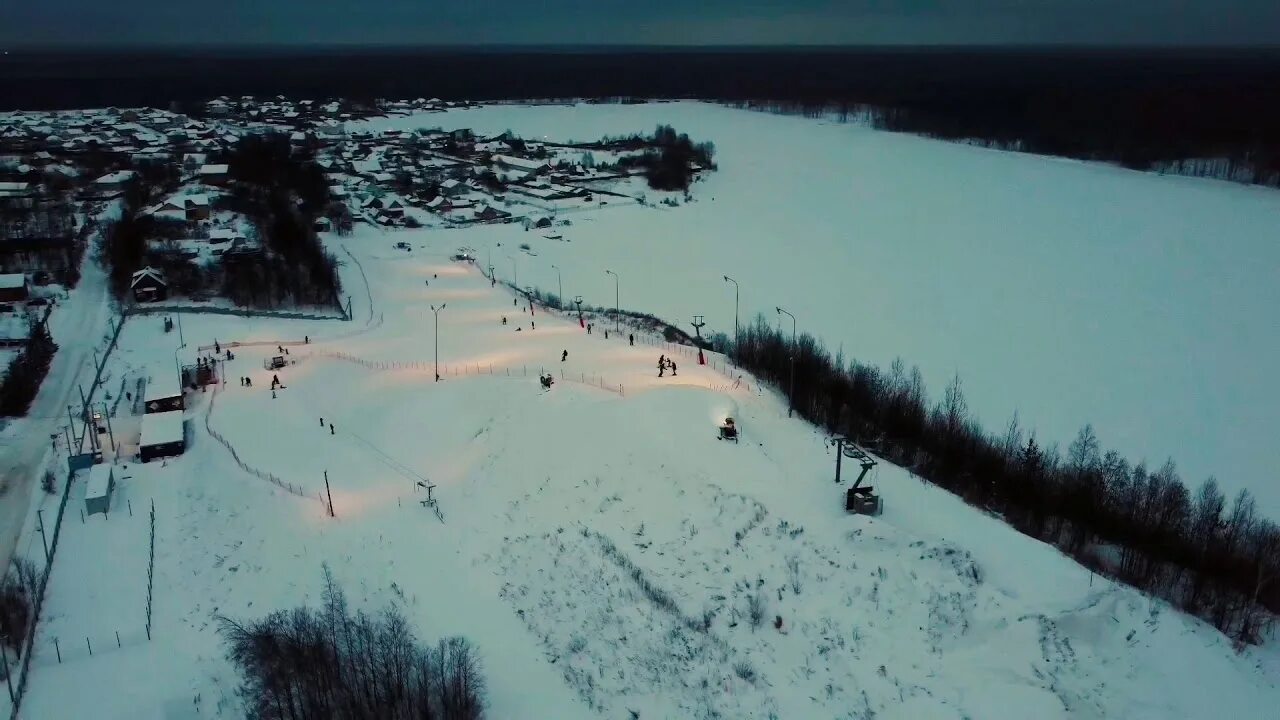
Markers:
<point>196,207</point>
<point>16,190</point>
<point>14,287</point>
<point>520,166</point>
<point>113,183</point>
<point>163,435</point>
<point>214,174</point>
<point>163,397</point>
<point>149,285</point>
<point>97,494</point>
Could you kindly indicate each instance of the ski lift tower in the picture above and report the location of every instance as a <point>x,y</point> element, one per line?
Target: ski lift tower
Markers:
<point>698,324</point>
<point>858,499</point>
<point>577,300</point>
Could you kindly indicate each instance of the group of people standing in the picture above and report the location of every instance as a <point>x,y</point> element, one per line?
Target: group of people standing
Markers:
<point>665,363</point>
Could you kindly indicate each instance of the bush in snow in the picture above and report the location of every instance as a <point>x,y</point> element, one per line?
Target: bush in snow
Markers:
<point>47,482</point>
<point>755,609</point>
<point>17,593</point>
<point>330,663</point>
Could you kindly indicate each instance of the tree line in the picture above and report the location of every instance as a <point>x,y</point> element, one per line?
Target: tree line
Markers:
<point>1213,558</point>
<point>333,664</point>
<point>669,158</point>
<point>26,371</point>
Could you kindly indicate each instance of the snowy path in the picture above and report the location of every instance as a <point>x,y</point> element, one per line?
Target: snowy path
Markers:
<point>78,326</point>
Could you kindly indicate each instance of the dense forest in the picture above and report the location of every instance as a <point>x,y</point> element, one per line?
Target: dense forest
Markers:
<point>1213,557</point>
<point>280,190</point>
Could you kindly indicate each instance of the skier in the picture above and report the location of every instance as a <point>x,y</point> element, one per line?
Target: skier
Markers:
<point>279,348</point>
<point>306,339</point>
<point>564,355</point>
<point>321,422</point>
<point>514,302</point>
<point>632,338</point>
<point>533,325</point>
<point>504,319</point>
<point>331,431</point>
<point>216,347</point>
<point>589,328</point>
<point>606,334</point>
<point>248,382</point>
<point>673,368</point>
<point>662,365</point>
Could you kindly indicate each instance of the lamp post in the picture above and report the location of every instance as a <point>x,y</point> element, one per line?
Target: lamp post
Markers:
<point>559,287</point>
<point>437,310</point>
<point>577,300</point>
<point>791,396</point>
<point>515,272</point>
<point>735,310</point>
<point>698,324</point>
<point>617,315</point>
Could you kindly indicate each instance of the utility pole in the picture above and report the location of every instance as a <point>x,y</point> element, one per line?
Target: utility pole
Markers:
<point>43,539</point>
<point>515,272</point>
<point>559,286</point>
<point>437,310</point>
<point>698,324</point>
<point>181,342</point>
<point>617,306</point>
<point>110,433</point>
<point>735,310</point>
<point>791,396</point>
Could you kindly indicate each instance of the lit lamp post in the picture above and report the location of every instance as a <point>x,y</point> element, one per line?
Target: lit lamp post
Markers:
<point>437,310</point>
<point>791,396</point>
<point>735,310</point>
<point>559,287</point>
<point>617,314</point>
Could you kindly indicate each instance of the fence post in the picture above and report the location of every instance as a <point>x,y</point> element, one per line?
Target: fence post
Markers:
<point>89,645</point>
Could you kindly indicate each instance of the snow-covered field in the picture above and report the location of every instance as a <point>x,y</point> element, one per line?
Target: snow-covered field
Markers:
<point>1065,291</point>
<point>602,548</point>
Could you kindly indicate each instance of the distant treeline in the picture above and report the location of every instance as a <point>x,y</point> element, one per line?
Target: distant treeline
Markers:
<point>1214,558</point>
<point>1144,108</point>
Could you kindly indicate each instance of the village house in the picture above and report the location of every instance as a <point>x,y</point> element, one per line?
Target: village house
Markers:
<point>149,285</point>
<point>14,287</point>
<point>114,183</point>
<point>213,174</point>
<point>196,207</point>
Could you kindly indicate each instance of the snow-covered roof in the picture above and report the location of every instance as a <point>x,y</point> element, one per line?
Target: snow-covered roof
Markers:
<point>12,281</point>
<point>120,176</point>
<point>519,163</point>
<point>99,481</point>
<point>223,234</point>
<point>213,170</point>
<point>162,390</point>
<point>162,428</point>
<point>147,272</point>
<point>196,200</point>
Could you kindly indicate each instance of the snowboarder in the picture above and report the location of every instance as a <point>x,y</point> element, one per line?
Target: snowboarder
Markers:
<point>275,379</point>
<point>631,337</point>
<point>564,355</point>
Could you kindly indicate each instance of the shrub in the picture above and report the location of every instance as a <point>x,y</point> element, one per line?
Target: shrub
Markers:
<point>330,663</point>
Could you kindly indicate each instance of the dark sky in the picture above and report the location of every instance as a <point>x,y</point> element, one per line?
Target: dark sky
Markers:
<point>661,22</point>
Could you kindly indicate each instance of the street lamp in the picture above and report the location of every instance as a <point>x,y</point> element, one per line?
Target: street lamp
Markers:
<point>791,396</point>
<point>735,311</point>
<point>437,310</point>
<point>577,299</point>
<point>559,287</point>
<point>617,313</point>
<point>515,273</point>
